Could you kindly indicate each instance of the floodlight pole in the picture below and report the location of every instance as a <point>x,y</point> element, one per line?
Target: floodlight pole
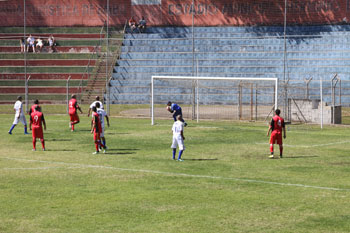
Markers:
<point>25,48</point>
<point>285,58</point>
<point>67,91</point>
<point>321,94</point>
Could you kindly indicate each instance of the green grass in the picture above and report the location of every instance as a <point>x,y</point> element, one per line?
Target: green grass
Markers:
<point>51,30</point>
<point>222,186</point>
<point>33,56</point>
<point>41,83</point>
<point>59,42</point>
<point>45,69</point>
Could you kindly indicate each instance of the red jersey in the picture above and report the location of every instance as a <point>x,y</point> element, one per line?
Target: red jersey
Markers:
<point>277,124</point>
<point>32,109</point>
<point>72,105</point>
<point>96,119</point>
<point>37,119</point>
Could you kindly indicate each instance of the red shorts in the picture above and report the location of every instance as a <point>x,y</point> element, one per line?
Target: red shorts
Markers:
<point>97,136</point>
<point>74,117</point>
<point>276,138</point>
<point>37,133</point>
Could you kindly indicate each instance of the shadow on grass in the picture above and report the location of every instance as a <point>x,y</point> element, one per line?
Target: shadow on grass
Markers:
<point>301,157</point>
<point>201,159</point>
<point>57,140</point>
<point>120,153</point>
<point>62,150</point>
<point>121,149</point>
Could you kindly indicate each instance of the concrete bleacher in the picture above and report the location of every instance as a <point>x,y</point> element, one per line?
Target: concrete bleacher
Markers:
<point>312,51</point>
<point>74,58</point>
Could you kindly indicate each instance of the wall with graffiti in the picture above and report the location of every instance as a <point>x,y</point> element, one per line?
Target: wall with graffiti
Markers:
<point>172,12</point>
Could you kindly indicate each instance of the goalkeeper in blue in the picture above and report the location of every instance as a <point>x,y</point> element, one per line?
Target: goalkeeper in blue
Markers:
<point>176,110</point>
<point>178,137</point>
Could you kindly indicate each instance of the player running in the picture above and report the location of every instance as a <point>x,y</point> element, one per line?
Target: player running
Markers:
<point>176,110</point>
<point>102,114</point>
<point>36,121</point>
<point>96,129</point>
<point>73,106</point>
<point>32,109</point>
<point>178,137</point>
<point>19,116</point>
<point>276,126</point>
<point>97,100</point>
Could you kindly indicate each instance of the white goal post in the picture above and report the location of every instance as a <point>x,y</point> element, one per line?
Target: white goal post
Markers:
<point>205,79</point>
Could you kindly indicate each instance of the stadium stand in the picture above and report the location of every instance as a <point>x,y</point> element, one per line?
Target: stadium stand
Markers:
<point>312,51</point>
<point>79,56</point>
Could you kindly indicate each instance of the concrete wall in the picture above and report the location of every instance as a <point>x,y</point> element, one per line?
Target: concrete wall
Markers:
<point>311,111</point>
<point>172,12</point>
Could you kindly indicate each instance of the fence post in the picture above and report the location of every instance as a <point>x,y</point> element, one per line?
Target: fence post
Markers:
<point>307,87</point>
<point>26,93</point>
<point>67,92</point>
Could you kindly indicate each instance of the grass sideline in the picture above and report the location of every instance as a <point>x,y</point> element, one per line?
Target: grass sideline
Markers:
<point>225,184</point>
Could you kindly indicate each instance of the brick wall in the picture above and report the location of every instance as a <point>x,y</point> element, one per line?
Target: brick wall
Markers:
<point>173,12</point>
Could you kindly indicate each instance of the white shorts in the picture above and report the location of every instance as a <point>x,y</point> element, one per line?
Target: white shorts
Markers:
<point>21,118</point>
<point>178,141</point>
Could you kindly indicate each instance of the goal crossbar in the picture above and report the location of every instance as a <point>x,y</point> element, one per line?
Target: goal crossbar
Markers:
<point>209,78</point>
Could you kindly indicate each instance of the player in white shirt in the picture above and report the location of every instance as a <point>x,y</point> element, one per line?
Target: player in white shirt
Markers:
<point>178,137</point>
<point>19,116</point>
<point>102,114</point>
<point>97,100</point>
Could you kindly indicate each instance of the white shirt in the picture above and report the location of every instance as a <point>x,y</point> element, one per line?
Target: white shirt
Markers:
<point>94,104</point>
<point>18,107</point>
<point>102,113</point>
<point>178,126</point>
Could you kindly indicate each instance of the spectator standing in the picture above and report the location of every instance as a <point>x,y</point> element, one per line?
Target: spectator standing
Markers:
<point>22,42</point>
<point>52,43</point>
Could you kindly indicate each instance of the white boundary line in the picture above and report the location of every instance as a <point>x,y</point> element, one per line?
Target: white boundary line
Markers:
<point>78,165</point>
<point>303,146</point>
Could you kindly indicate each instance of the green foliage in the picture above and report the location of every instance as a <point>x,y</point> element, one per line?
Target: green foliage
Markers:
<point>222,186</point>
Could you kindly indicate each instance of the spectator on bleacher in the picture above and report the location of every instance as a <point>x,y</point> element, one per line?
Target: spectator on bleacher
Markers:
<point>132,24</point>
<point>52,43</point>
<point>142,25</point>
<point>39,44</point>
<point>31,43</point>
<point>22,42</point>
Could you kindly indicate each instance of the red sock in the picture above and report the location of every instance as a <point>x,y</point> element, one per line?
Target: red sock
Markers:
<point>271,148</point>
<point>72,126</point>
<point>42,143</point>
<point>96,145</point>
<point>34,143</point>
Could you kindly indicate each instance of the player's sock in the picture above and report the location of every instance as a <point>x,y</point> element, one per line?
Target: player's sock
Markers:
<point>104,142</point>
<point>72,127</point>
<point>174,153</point>
<point>25,130</point>
<point>271,148</point>
<point>96,146</point>
<point>180,153</point>
<point>281,151</point>
<point>34,143</point>
<point>43,143</point>
<point>12,127</point>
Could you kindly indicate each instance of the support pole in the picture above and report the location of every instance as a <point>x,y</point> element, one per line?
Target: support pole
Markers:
<point>27,94</point>
<point>321,93</point>
<point>67,92</point>
<point>152,103</point>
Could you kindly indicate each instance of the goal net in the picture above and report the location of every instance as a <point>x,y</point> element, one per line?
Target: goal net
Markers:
<point>226,98</point>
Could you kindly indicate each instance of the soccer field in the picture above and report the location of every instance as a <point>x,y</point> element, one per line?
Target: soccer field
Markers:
<point>225,184</point>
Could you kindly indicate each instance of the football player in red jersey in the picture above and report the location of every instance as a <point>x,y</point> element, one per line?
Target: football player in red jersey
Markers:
<point>96,129</point>
<point>32,109</point>
<point>36,121</point>
<point>276,127</point>
<point>73,106</point>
